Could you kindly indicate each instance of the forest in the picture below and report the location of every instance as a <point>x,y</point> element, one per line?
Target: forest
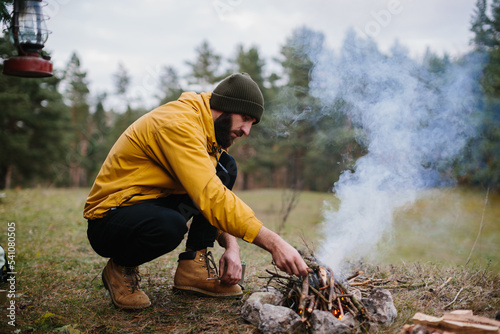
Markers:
<point>55,132</point>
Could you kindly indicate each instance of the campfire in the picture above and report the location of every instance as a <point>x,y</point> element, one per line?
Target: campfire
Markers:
<point>318,301</point>
<point>318,291</point>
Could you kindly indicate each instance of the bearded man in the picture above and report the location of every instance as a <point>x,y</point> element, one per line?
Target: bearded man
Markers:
<point>169,166</point>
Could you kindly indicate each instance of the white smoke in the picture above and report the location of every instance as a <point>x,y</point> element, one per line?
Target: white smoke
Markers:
<point>414,122</point>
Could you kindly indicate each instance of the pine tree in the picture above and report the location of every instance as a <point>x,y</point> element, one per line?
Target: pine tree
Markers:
<point>34,123</point>
<point>255,152</point>
<point>100,142</point>
<point>170,86</point>
<point>296,114</point>
<point>4,12</point>
<point>76,95</point>
<point>205,70</point>
<point>495,21</point>
<point>482,163</point>
<point>122,80</point>
<point>123,118</point>
<point>250,62</point>
<point>481,26</point>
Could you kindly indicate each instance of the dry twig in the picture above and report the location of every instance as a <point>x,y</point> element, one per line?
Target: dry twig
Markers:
<point>454,299</point>
<point>480,226</point>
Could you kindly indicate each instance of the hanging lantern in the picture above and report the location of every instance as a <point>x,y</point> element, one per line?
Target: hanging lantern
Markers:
<point>28,32</point>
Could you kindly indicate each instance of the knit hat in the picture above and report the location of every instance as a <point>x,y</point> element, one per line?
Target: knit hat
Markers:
<point>238,93</point>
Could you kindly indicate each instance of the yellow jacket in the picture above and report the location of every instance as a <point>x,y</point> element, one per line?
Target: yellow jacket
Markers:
<point>171,150</point>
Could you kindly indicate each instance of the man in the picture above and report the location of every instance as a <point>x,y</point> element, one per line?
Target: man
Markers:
<point>169,166</point>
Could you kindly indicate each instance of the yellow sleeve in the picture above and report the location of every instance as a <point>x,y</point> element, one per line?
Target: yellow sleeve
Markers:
<point>180,146</point>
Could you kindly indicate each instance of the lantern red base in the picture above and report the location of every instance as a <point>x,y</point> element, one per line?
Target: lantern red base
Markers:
<point>27,67</point>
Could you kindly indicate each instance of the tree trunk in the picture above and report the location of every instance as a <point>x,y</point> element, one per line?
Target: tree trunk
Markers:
<point>245,181</point>
<point>5,177</point>
<point>8,177</point>
<point>3,174</point>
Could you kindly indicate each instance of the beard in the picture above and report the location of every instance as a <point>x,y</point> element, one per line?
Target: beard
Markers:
<point>222,127</point>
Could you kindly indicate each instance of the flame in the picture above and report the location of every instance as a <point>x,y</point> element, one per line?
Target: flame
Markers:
<point>337,314</point>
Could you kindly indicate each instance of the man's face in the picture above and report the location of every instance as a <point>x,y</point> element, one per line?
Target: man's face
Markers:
<point>230,126</point>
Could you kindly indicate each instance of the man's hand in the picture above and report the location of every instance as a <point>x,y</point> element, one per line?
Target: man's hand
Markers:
<point>286,257</point>
<point>230,262</point>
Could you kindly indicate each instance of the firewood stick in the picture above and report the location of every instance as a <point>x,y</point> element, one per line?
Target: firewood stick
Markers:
<point>325,306</point>
<point>311,264</point>
<point>354,275</point>
<point>361,283</point>
<point>312,304</point>
<point>318,293</point>
<point>361,309</point>
<point>324,300</point>
<point>347,309</point>
<point>277,275</point>
<point>294,296</point>
<point>319,304</point>
<point>398,286</point>
<point>352,309</point>
<point>331,294</point>
<point>303,296</point>
<point>330,299</point>
<point>340,307</point>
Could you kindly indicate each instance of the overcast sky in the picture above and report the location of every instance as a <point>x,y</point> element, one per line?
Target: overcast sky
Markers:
<point>145,35</point>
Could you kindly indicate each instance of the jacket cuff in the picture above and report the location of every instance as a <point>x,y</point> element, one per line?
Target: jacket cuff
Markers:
<point>252,231</point>
<point>219,233</point>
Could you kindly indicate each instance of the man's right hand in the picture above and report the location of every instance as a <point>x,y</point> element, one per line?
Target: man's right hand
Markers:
<point>286,257</point>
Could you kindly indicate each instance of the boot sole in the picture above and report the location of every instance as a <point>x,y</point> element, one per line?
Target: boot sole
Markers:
<point>128,307</point>
<point>199,292</point>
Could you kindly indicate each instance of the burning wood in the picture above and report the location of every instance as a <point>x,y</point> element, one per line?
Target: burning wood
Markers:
<point>320,301</point>
<point>320,290</point>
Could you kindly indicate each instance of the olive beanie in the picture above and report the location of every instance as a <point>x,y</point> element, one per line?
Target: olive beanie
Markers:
<point>238,93</point>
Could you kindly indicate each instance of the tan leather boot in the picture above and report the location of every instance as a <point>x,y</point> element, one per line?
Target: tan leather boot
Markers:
<point>197,273</point>
<point>123,285</point>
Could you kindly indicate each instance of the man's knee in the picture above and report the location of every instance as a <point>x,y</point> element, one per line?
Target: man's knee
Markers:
<point>171,224</point>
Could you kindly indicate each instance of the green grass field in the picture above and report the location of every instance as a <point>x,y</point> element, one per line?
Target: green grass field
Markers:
<point>440,227</point>
<point>58,285</point>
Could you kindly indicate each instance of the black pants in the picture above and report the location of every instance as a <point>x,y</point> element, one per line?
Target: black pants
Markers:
<point>136,234</point>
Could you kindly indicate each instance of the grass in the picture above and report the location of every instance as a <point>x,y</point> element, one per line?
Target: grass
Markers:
<point>442,227</point>
<point>58,285</point>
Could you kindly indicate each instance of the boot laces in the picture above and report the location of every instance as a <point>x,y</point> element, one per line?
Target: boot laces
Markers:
<point>132,278</point>
<point>213,272</point>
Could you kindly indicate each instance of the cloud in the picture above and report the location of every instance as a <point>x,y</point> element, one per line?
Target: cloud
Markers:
<point>153,33</point>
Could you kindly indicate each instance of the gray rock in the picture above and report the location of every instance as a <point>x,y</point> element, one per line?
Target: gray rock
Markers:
<point>278,296</point>
<point>251,307</point>
<point>419,329</point>
<point>380,304</point>
<point>323,322</point>
<point>349,320</point>
<point>265,297</point>
<point>278,319</point>
<point>250,311</point>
